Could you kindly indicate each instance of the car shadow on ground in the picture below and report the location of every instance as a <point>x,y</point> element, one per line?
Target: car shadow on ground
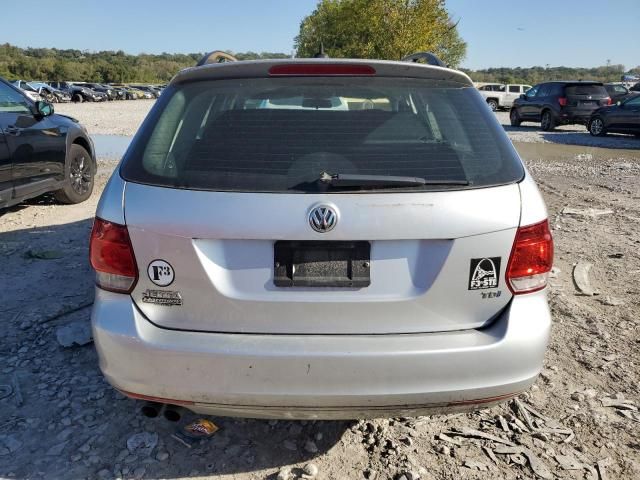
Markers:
<point>71,424</point>
<point>46,199</point>
<point>42,200</point>
<point>521,128</point>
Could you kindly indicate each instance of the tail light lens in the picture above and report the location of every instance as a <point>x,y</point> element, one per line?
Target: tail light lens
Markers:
<point>112,257</point>
<point>531,259</point>
<point>607,101</point>
<point>562,101</point>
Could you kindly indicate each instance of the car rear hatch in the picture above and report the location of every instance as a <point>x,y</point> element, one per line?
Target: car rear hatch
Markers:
<point>585,98</point>
<point>235,230</point>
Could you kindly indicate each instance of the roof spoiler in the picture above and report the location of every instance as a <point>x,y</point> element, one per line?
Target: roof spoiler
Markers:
<point>217,56</point>
<point>428,57</point>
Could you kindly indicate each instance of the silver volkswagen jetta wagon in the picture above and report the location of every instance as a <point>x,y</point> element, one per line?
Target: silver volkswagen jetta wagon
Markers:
<point>321,238</point>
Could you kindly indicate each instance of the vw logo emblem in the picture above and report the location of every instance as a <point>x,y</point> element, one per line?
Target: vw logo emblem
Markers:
<point>323,218</point>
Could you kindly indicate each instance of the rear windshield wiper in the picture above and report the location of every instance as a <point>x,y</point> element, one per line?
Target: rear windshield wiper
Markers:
<point>353,180</point>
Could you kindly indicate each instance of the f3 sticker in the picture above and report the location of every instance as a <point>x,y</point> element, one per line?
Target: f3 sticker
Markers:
<point>161,273</point>
<point>484,273</point>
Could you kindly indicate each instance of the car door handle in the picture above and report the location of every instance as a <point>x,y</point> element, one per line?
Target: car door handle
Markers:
<point>12,130</point>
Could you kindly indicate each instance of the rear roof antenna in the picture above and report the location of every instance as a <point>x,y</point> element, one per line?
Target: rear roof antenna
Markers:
<point>321,53</point>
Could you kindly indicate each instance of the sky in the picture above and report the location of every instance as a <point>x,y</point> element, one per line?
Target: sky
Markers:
<point>507,33</point>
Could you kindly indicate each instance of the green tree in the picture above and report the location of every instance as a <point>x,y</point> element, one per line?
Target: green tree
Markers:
<point>384,29</point>
<point>105,66</point>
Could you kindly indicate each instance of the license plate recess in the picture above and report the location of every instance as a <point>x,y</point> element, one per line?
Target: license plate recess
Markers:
<point>344,264</point>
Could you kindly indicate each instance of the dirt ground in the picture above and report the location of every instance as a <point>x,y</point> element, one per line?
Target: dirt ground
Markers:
<point>108,118</point>
<point>60,420</point>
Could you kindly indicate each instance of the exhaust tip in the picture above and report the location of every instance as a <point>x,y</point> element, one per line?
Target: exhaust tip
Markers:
<point>151,409</point>
<point>173,414</point>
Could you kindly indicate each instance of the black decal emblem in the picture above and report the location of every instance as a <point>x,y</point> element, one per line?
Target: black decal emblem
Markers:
<point>484,273</point>
<point>160,273</point>
<point>165,298</point>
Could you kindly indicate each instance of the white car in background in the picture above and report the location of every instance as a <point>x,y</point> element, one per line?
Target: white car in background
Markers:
<point>28,90</point>
<point>499,95</point>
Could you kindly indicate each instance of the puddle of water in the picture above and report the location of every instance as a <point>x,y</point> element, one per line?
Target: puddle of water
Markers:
<point>111,146</point>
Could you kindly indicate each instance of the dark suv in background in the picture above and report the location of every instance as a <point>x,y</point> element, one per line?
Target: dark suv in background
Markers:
<point>559,103</point>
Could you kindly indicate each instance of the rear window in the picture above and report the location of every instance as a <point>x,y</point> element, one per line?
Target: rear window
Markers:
<point>586,90</point>
<point>616,89</point>
<point>283,134</point>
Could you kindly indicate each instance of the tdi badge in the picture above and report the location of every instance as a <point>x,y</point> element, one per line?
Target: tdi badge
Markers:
<point>484,273</point>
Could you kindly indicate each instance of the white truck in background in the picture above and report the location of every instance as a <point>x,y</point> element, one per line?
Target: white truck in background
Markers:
<point>499,95</point>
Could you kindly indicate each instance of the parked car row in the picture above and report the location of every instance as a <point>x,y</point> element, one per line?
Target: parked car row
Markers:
<point>57,92</point>
<point>602,108</point>
<point>501,96</point>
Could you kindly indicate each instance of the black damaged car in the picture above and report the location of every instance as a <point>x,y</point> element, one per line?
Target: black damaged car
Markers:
<point>41,151</point>
<point>79,93</point>
<point>623,117</point>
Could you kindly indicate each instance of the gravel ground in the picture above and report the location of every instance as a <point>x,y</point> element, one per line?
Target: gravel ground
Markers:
<point>59,418</point>
<point>108,118</point>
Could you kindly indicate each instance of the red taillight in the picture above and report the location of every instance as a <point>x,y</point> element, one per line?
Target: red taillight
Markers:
<point>608,101</point>
<point>320,69</point>
<point>112,257</point>
<point>562,101</point>
<point>531,259</point>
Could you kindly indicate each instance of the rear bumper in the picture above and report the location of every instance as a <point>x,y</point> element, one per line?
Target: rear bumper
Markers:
<point>573,115</point>
<point>322,376</point>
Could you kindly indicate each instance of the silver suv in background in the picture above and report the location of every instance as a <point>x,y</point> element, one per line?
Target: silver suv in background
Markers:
<point>320,238</point>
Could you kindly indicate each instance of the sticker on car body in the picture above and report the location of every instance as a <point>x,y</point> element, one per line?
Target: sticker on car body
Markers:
<point>484,273</point>
<point>161,273</point>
